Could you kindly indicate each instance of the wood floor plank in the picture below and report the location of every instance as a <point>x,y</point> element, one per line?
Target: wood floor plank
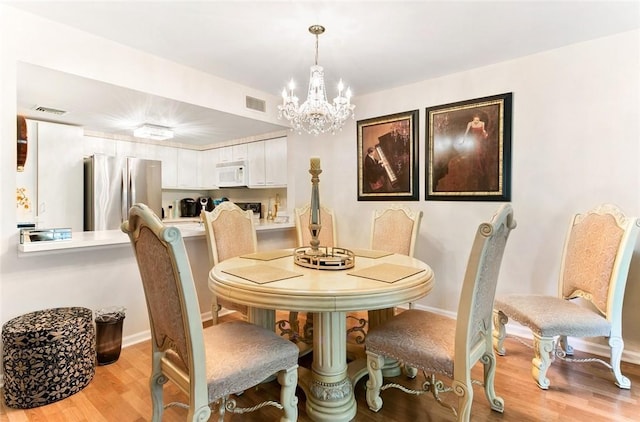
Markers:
<point>119,392</point>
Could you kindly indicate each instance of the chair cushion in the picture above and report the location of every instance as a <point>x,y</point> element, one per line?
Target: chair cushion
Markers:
<point>550,316</point>
<point>241,355</point>
<point>417,338</point>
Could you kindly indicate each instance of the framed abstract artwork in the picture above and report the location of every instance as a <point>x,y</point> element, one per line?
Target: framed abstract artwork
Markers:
<point>468,150</point>
<point>388,158</point>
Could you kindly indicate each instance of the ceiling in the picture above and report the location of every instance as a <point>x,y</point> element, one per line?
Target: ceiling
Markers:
<point>371,45</point>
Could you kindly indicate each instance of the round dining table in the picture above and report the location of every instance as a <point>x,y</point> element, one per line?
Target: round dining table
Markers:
<point>271,280</point>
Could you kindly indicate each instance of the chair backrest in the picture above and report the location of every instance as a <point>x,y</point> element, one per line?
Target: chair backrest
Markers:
<point>172,304</point>
<point>327,236</point>
<point>230,232</point>
<point>475,308</point>
<point>395,229</point>
<point>596,258</point>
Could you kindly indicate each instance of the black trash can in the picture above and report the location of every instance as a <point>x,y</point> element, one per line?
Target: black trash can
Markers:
<point>109,334</point>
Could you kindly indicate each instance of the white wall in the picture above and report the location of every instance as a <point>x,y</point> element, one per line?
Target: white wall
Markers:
<point>575,144</point>
<point>576,137</point>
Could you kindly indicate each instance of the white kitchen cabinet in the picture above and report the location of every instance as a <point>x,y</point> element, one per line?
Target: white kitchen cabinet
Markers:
<point>233,153</point>
<point>207,161</point>
<point>256,160</point>
<point>169,158</point>
<point>94,145</point>
<point>275,153</point>
<point>60,178</point>
<point>268,163</point>
<point>187,168</point>
<point>135,149</point>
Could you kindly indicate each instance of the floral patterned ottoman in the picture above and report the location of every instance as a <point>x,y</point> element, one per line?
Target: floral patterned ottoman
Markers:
<point>47,356</point>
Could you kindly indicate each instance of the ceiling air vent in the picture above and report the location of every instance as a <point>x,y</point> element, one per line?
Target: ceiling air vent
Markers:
<point>50,110</point>
<point>256,104</point>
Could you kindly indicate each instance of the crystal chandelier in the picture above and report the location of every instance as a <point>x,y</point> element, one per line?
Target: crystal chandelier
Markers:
<point>316,115</point>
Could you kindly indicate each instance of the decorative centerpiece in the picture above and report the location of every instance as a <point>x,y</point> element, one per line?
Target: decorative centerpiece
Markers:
<point>316,256</point>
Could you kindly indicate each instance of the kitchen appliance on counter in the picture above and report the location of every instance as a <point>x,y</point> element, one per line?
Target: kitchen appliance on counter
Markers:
<point>113,184</point>
<point>256,207</point>
<point>189,208</point>
<point>207,202</point>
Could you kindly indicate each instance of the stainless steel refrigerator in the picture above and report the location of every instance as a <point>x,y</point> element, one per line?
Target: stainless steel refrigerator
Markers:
<point>113,184</point>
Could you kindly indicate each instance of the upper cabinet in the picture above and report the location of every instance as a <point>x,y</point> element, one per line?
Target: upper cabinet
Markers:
<point>268,163</point>
<point>207,161</point>
<point>184,168</point>
<point>169,158</point>
<point>60,176</point>
<point>233,153</point>
<point>187,168</point>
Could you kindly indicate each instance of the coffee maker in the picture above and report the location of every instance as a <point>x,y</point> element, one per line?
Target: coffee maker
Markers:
<point>189,208</point>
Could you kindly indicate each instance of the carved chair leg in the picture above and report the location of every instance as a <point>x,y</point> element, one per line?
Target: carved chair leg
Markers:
<point>307,329</point>
<point>375,363</point>
<point>288,380</point>
<point>464,391</point>
<point>565,346</point>
<point>544,352</point>
<point>617,345</point>
<point>499,331</point>
<point>156,383</point>
<point>215,308</point>
<point>489,362</point>
<point>294,325</point>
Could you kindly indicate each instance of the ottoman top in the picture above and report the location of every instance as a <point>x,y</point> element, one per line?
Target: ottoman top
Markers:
<point>45,325</point>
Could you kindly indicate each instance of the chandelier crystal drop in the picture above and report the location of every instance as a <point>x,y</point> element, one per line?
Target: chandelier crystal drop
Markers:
<point>316,115</point>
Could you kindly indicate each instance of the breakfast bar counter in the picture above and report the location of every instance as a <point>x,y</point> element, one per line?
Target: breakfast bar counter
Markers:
<point>106,238</point>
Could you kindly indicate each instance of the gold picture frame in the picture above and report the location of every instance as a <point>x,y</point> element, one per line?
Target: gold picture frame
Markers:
<point>468,150</point>
<point>388,158</point>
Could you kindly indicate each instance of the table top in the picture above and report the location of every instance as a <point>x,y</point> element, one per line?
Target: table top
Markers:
<point>316,290</point>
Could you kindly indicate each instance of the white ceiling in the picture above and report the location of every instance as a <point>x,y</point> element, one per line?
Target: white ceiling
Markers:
<point>371,45</point>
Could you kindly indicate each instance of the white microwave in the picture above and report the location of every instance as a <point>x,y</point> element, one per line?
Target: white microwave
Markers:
<point>232,174</point>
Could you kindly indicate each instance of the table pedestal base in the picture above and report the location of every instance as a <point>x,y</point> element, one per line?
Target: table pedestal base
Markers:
<point>328,387</point>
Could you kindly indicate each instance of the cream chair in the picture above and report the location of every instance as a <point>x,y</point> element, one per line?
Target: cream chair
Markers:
<point>327,237</point>
<point>230,232</point>
<point>395,229</point>
<point>593,274</point>
<point>439,345</point>
<point>211,364</point>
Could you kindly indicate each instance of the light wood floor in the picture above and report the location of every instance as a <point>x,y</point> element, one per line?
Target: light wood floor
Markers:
<point>578,392</point>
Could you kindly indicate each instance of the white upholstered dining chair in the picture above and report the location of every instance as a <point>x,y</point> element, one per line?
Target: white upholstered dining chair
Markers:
<point>207,364</point>
<point>327,235</point>
<point>230,232</point>
<point>593,274</point>
<point>395,229</point>
<point>441,346</point>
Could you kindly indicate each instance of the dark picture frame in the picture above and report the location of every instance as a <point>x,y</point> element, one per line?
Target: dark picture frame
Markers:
<point>388,157</point>
<point>468,150</point>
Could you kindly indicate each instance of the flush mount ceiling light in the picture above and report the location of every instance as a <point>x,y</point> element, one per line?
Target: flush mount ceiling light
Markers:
<point>155,132</point>
<point>316,115</point>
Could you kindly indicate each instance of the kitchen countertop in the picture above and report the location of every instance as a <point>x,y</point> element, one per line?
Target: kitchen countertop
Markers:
<point>189,227</point>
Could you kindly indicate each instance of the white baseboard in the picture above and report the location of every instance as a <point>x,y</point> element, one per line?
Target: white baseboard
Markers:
<point>146,335</point>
